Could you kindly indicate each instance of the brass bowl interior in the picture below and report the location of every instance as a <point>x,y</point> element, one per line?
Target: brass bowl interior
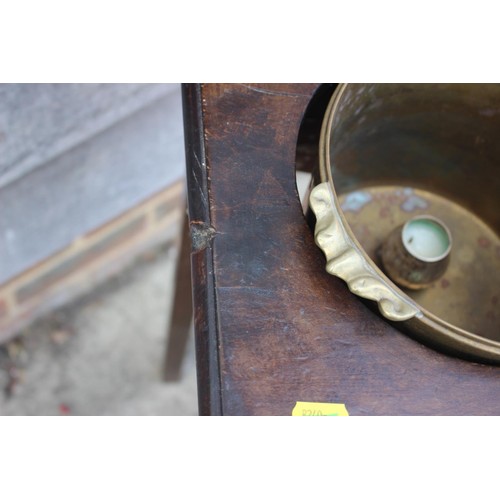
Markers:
<point>400,150</point>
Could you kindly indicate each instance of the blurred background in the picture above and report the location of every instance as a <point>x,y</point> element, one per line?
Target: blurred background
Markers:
<point>92,196</point>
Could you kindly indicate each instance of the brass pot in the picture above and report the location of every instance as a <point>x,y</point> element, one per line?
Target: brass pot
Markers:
<point>390,152</point>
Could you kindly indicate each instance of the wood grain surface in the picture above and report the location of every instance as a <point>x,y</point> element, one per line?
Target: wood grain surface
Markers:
<point>272,327</point>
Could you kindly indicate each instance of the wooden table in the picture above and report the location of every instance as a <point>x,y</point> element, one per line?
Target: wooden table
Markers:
<point>272,327</point>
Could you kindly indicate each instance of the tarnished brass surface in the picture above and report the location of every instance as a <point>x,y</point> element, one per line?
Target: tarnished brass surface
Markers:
<point>458,297</point>
<point>389,152</point>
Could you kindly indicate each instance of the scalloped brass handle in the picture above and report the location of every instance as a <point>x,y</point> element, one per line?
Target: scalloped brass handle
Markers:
<point>345,260</point>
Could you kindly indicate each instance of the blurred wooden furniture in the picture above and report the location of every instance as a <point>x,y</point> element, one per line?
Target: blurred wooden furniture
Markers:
<point>271,326</point>
<point>181,315</point>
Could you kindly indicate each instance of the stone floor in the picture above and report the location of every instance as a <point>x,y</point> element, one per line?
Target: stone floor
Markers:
<point>102,355</point>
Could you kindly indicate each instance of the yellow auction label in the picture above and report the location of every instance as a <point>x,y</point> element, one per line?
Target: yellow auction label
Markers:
<point>307,409</point>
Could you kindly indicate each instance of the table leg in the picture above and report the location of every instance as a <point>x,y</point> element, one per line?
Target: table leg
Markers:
<point>182,310</point>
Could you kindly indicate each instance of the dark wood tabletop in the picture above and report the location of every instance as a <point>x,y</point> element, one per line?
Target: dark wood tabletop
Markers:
<point>272,327</point>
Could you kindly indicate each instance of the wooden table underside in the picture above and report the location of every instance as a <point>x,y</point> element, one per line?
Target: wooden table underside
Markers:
<point>272,327</point>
